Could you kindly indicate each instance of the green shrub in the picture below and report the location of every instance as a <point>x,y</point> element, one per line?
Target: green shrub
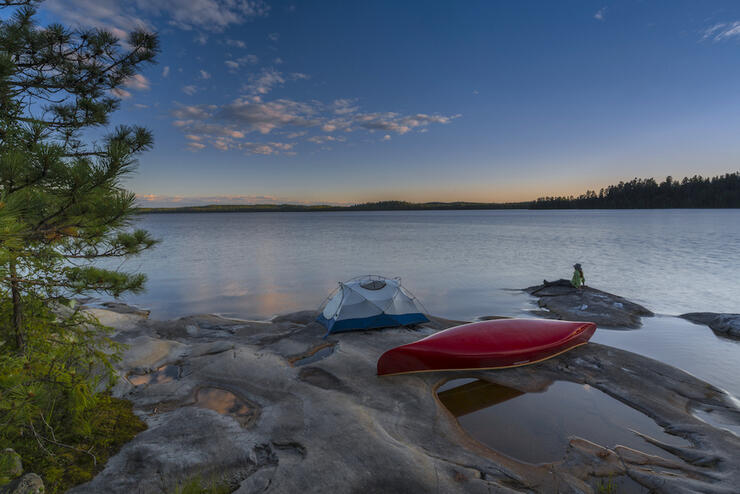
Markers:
<point>197,485</point>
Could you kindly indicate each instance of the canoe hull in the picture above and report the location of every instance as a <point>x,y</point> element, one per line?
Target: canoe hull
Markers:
<point>494,344</point>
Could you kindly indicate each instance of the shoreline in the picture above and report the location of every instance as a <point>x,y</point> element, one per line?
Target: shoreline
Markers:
<point>258,208</point>
<point>297,391</point>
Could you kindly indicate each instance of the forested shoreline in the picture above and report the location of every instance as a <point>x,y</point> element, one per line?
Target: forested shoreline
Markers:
<point>721,191</point>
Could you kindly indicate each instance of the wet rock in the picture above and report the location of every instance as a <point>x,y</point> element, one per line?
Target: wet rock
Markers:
<point>722,324</point>
<point>303,317</point>
<point>313,354</point>
<point>122,308</point>
<point>386,434</point>
<point>562,301</point>
<point>30,483</point>
<point>320,378</point>
<point>227,403</point>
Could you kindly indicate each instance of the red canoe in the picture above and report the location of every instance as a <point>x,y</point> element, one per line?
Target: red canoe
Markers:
<point>487,345</point>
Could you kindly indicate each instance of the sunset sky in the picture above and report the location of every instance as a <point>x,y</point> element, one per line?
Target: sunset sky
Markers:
<point>344,102</point>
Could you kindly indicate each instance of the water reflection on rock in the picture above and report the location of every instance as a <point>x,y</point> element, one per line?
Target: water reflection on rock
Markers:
<point>164,374</point>
<point>225,403</point>
<point>474,396</point>
<point>313,355</point>
<point>536,427</point>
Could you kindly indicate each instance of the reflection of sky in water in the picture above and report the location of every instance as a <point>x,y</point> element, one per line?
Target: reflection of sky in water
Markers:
<point>164,374</point>
<point>535,427</point>
<point>459,264</point>
<point>221,401</point>
<point>691,347</point>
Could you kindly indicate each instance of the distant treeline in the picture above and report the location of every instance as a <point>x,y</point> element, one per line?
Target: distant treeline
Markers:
<point>368,206</point>
<point>640,193</point>
<point>645,193</point>
<point>403,205</point>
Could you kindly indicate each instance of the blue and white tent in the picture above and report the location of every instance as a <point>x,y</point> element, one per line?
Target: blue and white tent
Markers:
<point>369,302</point>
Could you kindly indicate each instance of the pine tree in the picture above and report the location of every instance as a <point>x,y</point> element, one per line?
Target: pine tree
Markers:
<point>61,194</point>
<point>62,207</point>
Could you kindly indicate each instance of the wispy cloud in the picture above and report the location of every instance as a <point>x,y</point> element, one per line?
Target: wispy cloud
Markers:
<point>204,75</point>
<point>267,148</point>
<point>138,82</point>
<point>121,93</point>
<point>189,89</point>
<point>722,31</point>
<point>166,71</point>
<point>236,63</point>
<point>600,14</point>
<point>273,36</point>
<point>121,17</point>
<point>264,81</point>
<point>237,43</point>
<point>255,115</point>
<point>107,14</point>
<point>344,106</point>
<point>227,126</point>
<point>326,138</point>
<point>196,145</point>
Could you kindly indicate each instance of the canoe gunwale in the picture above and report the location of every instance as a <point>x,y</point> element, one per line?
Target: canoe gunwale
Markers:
<point>468,369</point>
<point>505,353</point>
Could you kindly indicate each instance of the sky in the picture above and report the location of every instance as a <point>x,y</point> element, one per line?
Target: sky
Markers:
<point>342,102</point>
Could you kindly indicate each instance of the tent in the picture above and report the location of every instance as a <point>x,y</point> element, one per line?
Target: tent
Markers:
<point>368,302</point>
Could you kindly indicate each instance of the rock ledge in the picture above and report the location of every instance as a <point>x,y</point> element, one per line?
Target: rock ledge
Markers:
<point>562,301</point>
<point>724,324</point>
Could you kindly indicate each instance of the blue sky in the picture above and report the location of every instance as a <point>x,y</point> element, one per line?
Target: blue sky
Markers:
<point>343,101</point>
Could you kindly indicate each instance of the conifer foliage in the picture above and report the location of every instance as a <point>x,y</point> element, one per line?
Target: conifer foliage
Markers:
<point>722,191</point>
<point>62,207</point>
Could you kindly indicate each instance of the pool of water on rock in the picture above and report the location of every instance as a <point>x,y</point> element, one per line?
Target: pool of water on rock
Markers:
<point>315,357</point>
<point>535,427</point>
<point>164,374</point>
<point>223,402</point>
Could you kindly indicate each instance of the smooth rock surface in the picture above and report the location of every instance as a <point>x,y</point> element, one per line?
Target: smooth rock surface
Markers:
<point>562,301</point>
<point>724,324</point>
<point>335,426</point>
<point>122,308</point>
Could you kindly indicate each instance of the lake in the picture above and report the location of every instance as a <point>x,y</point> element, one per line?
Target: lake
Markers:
<point>460,264</point>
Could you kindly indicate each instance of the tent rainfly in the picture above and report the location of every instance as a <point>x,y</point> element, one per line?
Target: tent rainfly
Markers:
<point>368,302</point>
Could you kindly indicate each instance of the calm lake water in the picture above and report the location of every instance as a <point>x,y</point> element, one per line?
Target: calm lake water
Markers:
<point>460,264</point>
